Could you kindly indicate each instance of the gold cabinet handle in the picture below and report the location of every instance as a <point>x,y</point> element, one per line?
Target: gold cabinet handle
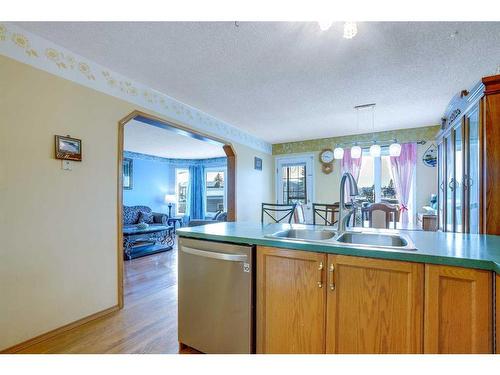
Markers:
<point>330,272</point>
<point>320,269</point>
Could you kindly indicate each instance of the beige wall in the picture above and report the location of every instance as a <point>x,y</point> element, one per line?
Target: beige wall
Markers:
<point>252,186</point>
<point>426,180</point>
<point>58,228</point>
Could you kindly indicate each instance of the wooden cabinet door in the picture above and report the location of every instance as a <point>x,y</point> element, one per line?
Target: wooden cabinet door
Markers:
<point>458,310</point>
<point>291,301</point>
<point>374,306</point>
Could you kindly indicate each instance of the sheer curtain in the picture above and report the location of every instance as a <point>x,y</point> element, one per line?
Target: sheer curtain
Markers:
<point>196,192</point>
<point>403,170</point>
<point>353,166</point>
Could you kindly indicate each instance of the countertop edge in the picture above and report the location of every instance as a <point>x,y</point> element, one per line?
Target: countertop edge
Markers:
<point>380,254</point>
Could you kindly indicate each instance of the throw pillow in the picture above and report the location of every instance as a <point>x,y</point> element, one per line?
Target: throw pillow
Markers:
<point>145,217</point>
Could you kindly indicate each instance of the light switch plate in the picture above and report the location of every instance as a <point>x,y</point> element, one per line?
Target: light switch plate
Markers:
<point>66,165</point>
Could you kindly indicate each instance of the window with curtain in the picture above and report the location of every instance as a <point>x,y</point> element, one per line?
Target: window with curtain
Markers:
<point>181,186</point>
<point>376,182</point>
<point>215,190</point>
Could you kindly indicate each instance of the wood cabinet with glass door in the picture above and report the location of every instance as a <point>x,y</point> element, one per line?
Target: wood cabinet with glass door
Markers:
<point>291,301</point>
<point>469,156</point>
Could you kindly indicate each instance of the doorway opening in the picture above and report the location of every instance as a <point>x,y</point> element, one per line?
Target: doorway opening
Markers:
<point>168,176</point>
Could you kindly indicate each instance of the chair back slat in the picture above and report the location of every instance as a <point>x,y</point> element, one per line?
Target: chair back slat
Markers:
<point>325,214</point>
<point>278,213</point>
<point>391,214</point>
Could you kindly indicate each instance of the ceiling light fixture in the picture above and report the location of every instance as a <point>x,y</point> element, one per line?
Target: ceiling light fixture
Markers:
<point>375,150</point>
<point>350,30</point>
<point>338,153</point>
<point>325,25</point>
<point>395,149</point>
<point>355,152</point>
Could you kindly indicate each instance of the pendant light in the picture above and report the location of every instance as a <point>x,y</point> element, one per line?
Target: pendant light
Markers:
<point>355,152</point>
<point>375,150</point>
<point>350,30</point>
<point>324,25</point>
<point>338,153</point>
<point>395,149</point>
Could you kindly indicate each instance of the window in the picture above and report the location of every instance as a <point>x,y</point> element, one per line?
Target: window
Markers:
<point>215,190</point>
<point>387,190</point>
<point>366,180</point>
<point>181,186</point>
<point>376,183</point>
<point>293,182</point>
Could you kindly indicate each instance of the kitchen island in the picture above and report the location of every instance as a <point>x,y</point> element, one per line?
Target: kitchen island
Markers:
<point>328,297</point>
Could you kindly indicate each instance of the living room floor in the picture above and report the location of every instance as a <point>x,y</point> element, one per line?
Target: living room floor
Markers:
<point>146,324</point>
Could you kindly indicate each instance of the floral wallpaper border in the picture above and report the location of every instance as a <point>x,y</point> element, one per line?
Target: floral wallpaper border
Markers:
<point>212,162</point>
<point>427,133</point>
<point>40,53</point>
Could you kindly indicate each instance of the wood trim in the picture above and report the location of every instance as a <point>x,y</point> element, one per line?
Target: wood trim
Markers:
<point>119,213</point>
<point>231,188</point>
<point>48,335</point>
<point>482,166</point>
<point>491,84</point>
<point>491,162</point>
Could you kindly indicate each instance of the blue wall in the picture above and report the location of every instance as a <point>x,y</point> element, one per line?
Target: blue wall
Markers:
<point>153,177</point>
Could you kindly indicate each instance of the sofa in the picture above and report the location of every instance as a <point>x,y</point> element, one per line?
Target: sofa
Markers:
<point>137,242</point>
<point>133,215</point>
<point>220,216</point>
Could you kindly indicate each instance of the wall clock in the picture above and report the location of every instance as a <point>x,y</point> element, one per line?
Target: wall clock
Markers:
<point>326,159</point>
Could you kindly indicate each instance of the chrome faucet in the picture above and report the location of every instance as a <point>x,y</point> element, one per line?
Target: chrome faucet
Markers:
<point>344,212</point>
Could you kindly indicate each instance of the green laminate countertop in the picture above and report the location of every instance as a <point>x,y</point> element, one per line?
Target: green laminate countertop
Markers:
<point>453,249</point>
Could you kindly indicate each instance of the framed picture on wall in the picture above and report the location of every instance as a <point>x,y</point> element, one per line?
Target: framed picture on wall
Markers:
<point>68,148</point>
<point>128,173</point>
<point>258,163</point>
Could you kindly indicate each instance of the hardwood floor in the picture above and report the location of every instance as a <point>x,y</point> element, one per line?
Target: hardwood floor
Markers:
<point>147,323</point>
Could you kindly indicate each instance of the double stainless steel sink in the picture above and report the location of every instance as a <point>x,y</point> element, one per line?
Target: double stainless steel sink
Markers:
<point>352,238</point>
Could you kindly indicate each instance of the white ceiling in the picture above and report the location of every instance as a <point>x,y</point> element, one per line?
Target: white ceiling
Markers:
<point>290,81</point>
<point>151,140</point>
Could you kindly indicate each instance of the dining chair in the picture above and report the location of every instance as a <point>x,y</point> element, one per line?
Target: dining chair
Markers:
<point>325,214</point>
<point>380,215</point>
<point>328,214</point>
<point>299,215</point>
<point>278,213</point>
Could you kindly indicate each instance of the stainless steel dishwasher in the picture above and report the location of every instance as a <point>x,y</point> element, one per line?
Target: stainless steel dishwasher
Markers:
<point>216,296</point>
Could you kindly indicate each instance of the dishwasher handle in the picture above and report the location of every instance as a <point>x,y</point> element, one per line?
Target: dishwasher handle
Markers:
<point>215,255</point>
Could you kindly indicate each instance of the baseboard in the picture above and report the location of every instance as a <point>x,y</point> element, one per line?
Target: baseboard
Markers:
<point>45,336</point>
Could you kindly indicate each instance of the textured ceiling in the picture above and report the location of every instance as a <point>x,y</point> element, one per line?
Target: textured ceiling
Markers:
<point>290,81</point>
<point>151,140</point>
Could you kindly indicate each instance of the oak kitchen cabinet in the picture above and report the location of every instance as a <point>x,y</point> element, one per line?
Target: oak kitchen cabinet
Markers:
<point>458,316</point>
<point>310,302</point>
<point>374,306</point>
<point>291,301</point>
